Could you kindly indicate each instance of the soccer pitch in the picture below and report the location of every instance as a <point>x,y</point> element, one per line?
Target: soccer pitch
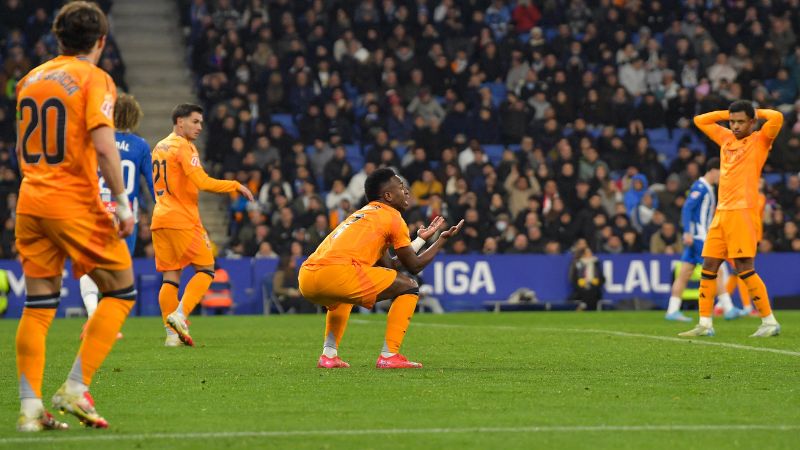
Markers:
<point>512,380</point>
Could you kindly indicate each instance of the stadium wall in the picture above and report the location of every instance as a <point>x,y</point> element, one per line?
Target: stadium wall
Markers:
<point>461,283</point>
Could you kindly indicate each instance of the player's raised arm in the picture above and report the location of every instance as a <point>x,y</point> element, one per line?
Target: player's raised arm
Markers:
<point>774,123</point>
<point>707,123</point>
<point>415,263</point>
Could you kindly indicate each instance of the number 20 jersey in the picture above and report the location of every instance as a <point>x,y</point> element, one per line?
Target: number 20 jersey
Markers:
<point>59,103</point>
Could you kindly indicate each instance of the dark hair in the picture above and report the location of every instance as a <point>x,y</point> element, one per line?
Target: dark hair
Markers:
<point>185,110</point>
<point>712,163</point>
<point>78,26</point>
<point>373,186</point>
<point>742,106</point>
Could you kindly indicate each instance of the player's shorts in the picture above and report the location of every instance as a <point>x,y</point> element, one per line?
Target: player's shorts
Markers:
<point>693,254</point>
<point>176,249</point>
<point>89,240</point>
<point>331,285</point>
<point>733,234</point>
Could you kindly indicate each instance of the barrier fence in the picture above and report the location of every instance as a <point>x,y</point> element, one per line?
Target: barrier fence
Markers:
<point>461,283</point>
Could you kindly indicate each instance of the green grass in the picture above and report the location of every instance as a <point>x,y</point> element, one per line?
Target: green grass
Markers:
<point>256,374</point>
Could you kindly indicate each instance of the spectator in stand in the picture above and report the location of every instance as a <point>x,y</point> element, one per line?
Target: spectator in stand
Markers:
<point>586,278</point>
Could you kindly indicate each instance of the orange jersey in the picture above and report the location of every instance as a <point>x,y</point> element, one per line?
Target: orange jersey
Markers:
<point>741,160</point>
<point>59,103</point>
<point>363,238</point>
<point>178,177</point>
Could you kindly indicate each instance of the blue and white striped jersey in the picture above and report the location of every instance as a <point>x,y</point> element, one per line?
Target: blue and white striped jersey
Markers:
<point>699,209</point>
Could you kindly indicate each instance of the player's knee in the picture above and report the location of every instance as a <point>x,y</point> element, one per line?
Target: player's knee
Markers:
<point>208,272</point>
<point>409,286</point>
<point>128,293</point>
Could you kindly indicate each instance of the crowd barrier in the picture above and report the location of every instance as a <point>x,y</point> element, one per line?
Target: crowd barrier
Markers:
<point>461,283</point>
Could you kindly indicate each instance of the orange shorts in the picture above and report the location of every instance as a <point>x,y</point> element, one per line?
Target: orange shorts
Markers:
<point>332,285</point>
<point>733,234</point>
<point>176,249</point>
<point>89,240</point>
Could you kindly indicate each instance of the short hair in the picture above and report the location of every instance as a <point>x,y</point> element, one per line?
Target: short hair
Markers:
<point>742,106</point>
<point>78,26</point>
<point>373,186</point>
<point>185,110</point>
<point>713,163</point>
<point>127,113</point>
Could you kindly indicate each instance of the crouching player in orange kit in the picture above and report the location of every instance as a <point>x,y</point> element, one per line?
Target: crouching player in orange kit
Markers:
<point>65,112</point>
<point>342,271</point>
<point>179,238</point>
<point>735,227</point>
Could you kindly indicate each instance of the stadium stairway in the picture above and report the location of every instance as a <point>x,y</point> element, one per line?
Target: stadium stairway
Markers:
<point>149,35</point>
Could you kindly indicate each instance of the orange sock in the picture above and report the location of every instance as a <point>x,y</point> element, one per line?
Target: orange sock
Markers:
<point>397,321</point>
<point>744,294</point>
<point>168,299</point>
<point>731,285</point>
<point>758,292</point>
<point>31,338</point>
<point>335,324</point>
<point>101,334</point>
<point>708,290</point>
<point>195,291</point>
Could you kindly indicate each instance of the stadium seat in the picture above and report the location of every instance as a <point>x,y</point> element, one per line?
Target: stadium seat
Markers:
<point>773,178</point>
<point>286,121</point>
<point>498,91</point>
<point>354,157</point>
<point>494,152</point>
<point>658,134</point>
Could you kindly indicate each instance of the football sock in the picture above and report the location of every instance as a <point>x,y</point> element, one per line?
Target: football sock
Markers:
<point>397,321</point>
<point>335,324</point>
<point>724,301</point>
<point>31,407</point>
<point>744,295</point>
<point>30,343</point>
<point>195,290</point>
<point>101,334</point>
<point>168,299</point>
<point>708,288</point>
<point>90,294</point>
<point>730,286</point>
<point>758,293</point>
<point>674,305</point>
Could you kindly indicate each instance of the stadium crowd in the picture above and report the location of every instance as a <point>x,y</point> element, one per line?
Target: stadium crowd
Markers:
<point>541,123</point>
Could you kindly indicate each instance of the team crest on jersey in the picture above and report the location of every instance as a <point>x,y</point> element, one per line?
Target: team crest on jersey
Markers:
<point>107,108</point>
<point>695,194</point>
<point>195,161</point>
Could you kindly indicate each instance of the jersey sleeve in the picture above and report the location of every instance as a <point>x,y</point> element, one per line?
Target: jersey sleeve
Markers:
<point>101,94</point>
<point>707,123</point>
<point>191,166</point>
<point>399,233</point>
<point>770,130</point>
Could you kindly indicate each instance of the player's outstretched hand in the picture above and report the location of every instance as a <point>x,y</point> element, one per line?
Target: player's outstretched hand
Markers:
<point>246,192</point>
<point>452,231</point>
<point>430,230</point>
<point>126,227</point>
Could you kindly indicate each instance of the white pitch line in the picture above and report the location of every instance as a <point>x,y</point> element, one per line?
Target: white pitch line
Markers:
<point>94,436</point>
<point>699,341</point>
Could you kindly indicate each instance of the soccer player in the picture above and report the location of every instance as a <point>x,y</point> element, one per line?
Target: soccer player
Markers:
<point>65,111</point>
<point>734,230</point>
<point>342,271</point>
<point>696,216</point>
<point>179,238</point>
<point>136,163</point>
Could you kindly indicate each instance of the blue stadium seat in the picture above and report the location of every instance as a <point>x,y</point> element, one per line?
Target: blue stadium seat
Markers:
<point>494,152</point>
<point>550,33</point>
<point>658,134</point>
<point>287,122</point>
<point>773,178</point>
<point>498,91</point>
<point>354,157</point>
